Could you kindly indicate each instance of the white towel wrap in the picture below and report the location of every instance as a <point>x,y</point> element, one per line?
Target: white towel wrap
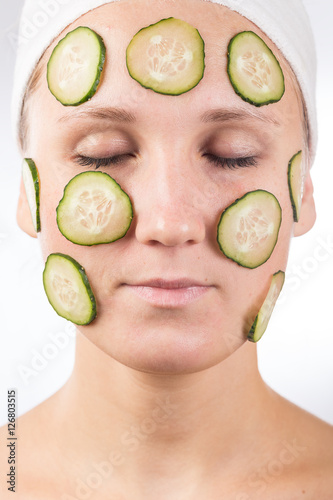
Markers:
<point>284,21</point>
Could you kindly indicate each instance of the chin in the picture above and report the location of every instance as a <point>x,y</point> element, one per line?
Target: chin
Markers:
<point>166,350</point>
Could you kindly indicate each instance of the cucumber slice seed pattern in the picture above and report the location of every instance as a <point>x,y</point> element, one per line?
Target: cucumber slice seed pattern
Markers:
<point>262,319</point>
<point>31,183</point>
<point>68,290</point>
<point>248,229</point>
<point>75,66</point>
<point>94,210</point>
<point>253,229</point>
<point>167,57</point>
<point>65,290</point>
<point>253,70</point>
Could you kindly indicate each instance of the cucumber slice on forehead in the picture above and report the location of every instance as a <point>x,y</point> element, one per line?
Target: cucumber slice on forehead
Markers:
<point>248,229</point>
<point>75,66</point>
<point>68,290</point>
<point>31,183</point>
<point>167,57</point>
<point>253,70</point>
<point>296,183</point>
<point>260,323</point>
<point>94,210</point>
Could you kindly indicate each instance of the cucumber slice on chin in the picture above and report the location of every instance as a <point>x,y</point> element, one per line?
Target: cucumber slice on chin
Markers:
<point>260,323</point>
<point>253,70</point>
<point>248,229</point>
<point>68,290</point>
<point>295,183</point>
<point>94,210</point>
<point>31,183</point>
<point>167,57</point>
<point>75,66</point>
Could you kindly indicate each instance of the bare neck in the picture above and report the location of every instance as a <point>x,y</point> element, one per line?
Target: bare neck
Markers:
<point>145,419</point>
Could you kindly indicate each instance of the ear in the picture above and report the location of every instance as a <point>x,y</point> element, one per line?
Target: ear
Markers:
<point>307,216</point>
<point>23,214</point>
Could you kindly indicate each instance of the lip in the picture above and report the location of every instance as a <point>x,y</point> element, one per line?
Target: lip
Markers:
<point>169,293</point>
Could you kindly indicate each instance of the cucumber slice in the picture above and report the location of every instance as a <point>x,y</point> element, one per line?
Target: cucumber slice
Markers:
<point>260,323</point>
<point>296,183</point>
<point>167,57</point>
<point>68,289</point>
<point>94,210</point>
<point>32,188</point>
<point>75,66</point>
<point>248,229</point>
<point>254,71</point>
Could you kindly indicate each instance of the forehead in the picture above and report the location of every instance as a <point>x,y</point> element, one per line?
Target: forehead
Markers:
<point>118,22</point>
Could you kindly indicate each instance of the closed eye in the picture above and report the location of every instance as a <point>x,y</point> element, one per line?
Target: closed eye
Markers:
<point>232,163</point>
<point>87,161</point>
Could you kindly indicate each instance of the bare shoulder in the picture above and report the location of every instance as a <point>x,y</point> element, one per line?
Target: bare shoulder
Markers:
<point>309,448</point>
<point>294,456</point>
<point>317,470</point>
<point>29,468</point>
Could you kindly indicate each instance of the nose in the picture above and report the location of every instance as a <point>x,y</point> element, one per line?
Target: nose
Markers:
<point>166,212</point>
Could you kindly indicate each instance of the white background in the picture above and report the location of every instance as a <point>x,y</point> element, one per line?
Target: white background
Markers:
<point>295,354</point>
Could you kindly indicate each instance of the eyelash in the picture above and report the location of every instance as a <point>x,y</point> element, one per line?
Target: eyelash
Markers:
<point>230,163</point>
<point>87,161</point>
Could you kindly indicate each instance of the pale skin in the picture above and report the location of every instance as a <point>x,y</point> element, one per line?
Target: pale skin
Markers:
<point>170,397</point>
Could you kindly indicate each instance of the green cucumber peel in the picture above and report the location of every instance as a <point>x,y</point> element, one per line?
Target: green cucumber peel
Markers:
<point>70,80</point>
<point>295,184</point>
<point>31,183</point>
<point>248,229</point>
<point>167,74</point>
<point>254,72</point>
<point>68,289</point>
<point>94,210</point>
<point>261,321</point>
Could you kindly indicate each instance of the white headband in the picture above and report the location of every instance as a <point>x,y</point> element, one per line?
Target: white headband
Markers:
<point>285,22</point>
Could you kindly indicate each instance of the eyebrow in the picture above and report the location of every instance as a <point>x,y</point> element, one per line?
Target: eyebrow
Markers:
<point>110,114</point>
<point>224,115</point>
<point>120,115</point>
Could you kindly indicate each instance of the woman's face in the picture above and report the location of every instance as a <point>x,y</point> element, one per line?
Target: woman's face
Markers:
<point>167,145</point>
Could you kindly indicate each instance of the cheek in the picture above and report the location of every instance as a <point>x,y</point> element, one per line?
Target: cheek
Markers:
<point>50,238</point>
<point>252,285</point>
<point>97,260</point>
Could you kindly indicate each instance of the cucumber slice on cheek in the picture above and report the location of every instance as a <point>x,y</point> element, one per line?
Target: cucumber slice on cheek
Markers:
<point>253,70</point>
<point>167,57</point>
<point>248,229</point>
<point>260,323</point>
<point>31,183</point>
<point>75,66</point>
<point>94,210</point>
<point>296,183</point>
<point>68,290</point>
